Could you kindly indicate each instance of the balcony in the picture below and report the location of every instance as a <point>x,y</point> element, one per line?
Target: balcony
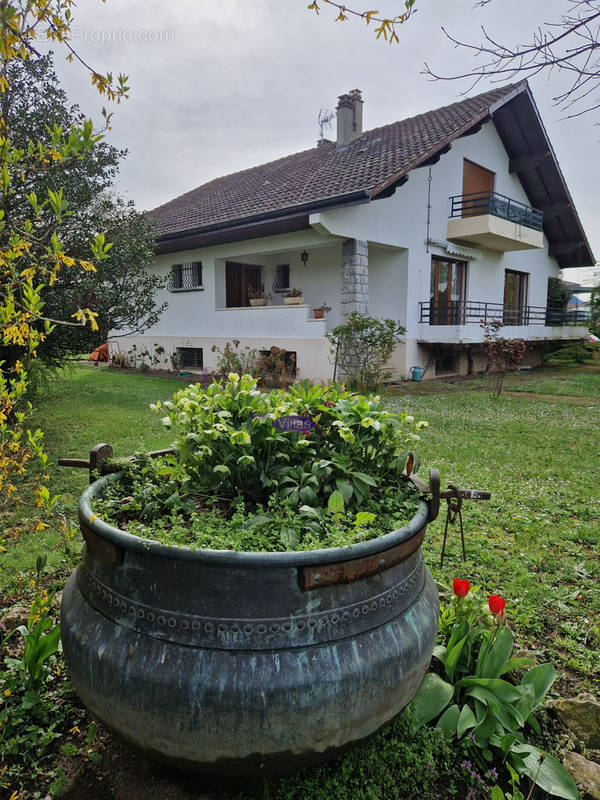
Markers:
<point>471,312</point>
<point>491,220</point>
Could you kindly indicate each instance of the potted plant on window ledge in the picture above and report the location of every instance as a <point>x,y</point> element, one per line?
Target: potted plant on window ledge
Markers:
<point>257,296</point>
<point>293,297</point>
<point>321,311</point>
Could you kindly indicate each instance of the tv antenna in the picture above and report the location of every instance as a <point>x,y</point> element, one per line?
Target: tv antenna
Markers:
<point>325,119</point>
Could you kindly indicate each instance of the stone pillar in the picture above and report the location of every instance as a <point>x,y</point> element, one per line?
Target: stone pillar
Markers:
<point>355,277</point>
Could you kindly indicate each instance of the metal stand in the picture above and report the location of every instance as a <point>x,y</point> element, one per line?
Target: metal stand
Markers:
<point>454,511</point>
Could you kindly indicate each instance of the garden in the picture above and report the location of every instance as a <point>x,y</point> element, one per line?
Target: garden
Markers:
<point>520,622</point>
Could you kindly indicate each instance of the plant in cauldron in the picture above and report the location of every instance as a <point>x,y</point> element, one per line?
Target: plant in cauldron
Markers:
<point>305,468</point>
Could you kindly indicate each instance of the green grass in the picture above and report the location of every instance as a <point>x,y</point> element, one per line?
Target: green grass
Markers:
<point>80,408</point>
<point>584,384</point>
<point>535,542</point>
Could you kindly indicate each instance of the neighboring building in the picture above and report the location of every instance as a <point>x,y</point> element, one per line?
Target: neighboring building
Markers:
<point>438,221</point>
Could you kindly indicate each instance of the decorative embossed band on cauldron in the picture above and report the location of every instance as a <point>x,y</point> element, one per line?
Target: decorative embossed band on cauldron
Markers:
<point>247,662</point>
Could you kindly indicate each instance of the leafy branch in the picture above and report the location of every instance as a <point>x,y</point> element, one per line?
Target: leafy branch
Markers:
<point>386,26</point>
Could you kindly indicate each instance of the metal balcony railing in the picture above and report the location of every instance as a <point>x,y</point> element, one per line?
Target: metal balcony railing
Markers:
<point>477,204</point>
<point>463,312</point>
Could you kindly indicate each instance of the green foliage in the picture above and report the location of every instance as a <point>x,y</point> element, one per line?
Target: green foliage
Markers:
<point>559,294</point>
<point>122,290</point>
<point>362,346</point>
<point>244,361</point>
<point>395,765</point>
<point>226,442</point>
<point>574,353</point>
<point>343,455</point>
<point>595,311</point>
<point>28,722</point>
<point>478,702</point>
<point>75,191</point>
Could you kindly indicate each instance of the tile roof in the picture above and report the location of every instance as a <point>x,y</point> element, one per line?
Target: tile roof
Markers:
<point>371,162</point>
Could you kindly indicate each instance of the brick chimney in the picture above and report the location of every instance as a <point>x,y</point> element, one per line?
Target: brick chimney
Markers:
<point>349,117</point>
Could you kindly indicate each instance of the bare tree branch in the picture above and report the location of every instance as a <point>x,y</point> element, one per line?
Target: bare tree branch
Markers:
<point>570,45</point>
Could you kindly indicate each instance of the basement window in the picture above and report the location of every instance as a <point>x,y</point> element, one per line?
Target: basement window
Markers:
<point>445,362</point>
<point>190,357</point>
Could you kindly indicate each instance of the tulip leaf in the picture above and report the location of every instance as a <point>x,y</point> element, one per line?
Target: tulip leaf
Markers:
<point>439,652</point>
<point>532,721</point>
<point>517,663</point>
<point>490,700</point>
<point>502,689</point>
<point>452,657</point>
<point>465,721</point>
<point>448,721</point>
<point>458,632</point>
<point>490,664</point>
<point>432,697</point>
<point>541,679</point>
<point>552,777</point>
<point>485,729</point>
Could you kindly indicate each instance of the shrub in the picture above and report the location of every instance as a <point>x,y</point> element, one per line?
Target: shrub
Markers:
<point>362,346</point>
<point>232,358</point>
<point>574,353</point>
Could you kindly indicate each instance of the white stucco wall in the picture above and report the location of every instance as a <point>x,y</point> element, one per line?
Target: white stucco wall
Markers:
<point>399,271</point>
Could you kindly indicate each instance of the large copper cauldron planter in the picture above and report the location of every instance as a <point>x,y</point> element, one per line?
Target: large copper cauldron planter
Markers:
<point>247,662</point>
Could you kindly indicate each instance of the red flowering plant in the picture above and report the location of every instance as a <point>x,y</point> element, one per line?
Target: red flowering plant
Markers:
<point>479,694</point>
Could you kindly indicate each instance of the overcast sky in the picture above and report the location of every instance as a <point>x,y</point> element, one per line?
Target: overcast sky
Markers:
<point>221,85</point>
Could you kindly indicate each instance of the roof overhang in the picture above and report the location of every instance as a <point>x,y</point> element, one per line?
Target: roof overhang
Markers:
<point>518,122</point>
<point>275,223</point>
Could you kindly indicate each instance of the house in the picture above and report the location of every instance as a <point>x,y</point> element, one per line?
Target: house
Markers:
<point>438,221</point>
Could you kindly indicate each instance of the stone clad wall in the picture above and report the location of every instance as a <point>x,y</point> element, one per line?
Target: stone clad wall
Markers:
<point>355,277</point>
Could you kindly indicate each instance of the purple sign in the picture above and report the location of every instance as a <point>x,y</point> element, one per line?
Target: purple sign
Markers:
<point>294,424</point>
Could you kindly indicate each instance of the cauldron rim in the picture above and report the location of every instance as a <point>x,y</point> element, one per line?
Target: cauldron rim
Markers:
<point>128,541</point>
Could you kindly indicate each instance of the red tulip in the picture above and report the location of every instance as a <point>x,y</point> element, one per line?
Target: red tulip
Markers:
<point>496,603</point>
<point>461,588</point>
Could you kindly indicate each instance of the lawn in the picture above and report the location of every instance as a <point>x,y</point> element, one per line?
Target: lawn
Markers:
<point>535,542</point>
<point>581,384</point>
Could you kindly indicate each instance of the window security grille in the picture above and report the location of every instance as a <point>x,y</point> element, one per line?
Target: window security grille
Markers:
<point>282,278</point>
<point>185,277</point>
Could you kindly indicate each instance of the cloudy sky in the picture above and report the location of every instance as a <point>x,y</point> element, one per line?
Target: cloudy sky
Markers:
<point>220,85</point>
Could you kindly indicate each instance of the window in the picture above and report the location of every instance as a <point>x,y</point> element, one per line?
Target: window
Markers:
<point>282,278</point>
<point>445,362</point>
<point>190,357</point>
<point>448,289</point>
<point>515,297</point>
<point>185,277</point>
